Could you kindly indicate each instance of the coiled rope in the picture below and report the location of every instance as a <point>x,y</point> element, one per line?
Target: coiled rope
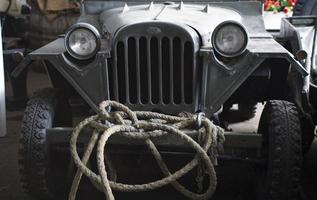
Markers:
<point>144,126</point>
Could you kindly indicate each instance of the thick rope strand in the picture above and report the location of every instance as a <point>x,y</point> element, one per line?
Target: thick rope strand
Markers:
<point>142,125</point>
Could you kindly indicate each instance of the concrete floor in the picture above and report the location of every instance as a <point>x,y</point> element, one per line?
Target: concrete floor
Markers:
<point>237,186</point>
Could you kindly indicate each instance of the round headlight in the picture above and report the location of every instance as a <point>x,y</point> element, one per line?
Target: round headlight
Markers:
<point>82,41</point>
<point>230,39</point>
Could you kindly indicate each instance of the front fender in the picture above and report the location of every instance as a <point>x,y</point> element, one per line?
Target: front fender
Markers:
<point>89,79</point>
<point>220,81</point>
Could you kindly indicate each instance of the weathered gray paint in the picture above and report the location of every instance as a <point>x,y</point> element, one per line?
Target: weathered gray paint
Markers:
<point>203,18</point>
<point>301,31</point>
<point>219,80</point>
<point>3,129</point>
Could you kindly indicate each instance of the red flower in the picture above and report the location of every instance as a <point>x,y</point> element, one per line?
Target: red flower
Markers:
<point>277,4</point>
<point>292,2</point>
<point>286,10</point>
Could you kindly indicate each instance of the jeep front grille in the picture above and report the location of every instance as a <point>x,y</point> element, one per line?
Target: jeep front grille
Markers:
<point>155,70</point>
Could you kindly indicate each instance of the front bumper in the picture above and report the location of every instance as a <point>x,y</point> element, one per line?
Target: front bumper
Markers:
<point>237,146</point>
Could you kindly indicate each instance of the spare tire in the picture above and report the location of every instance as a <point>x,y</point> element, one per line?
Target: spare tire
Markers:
<point>305,7</point>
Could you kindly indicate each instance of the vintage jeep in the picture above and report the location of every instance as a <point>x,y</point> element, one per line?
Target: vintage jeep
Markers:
<point>170,58</point>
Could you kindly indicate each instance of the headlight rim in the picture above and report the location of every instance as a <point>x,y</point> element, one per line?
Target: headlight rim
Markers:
<point>235,23</point>
<point>88,27</point>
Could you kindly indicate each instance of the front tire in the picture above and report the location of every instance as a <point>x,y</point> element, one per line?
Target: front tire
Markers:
<point>282,150</point>
<point>40,176</point>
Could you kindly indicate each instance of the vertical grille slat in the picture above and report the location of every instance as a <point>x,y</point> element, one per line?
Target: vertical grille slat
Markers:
<point>177,70</point>
<point>149,69</point>
<point>153,70</point>
<point>121,72</point>
<point>182,73</point>
<point>138,75</point>
<point>111,73</point>
<point>126,70</point>
<point>113,78</point>
<point>171,54</point>
<point>194,75</point>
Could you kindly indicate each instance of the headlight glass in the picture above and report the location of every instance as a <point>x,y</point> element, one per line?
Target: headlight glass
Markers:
<point>81,43</point>
<point>230,39</point>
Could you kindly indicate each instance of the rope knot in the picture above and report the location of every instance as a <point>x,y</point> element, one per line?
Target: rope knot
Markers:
<point>106,106</point>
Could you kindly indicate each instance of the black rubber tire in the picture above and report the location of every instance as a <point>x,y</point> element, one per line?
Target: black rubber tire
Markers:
<point>282,150</point>
<point>308,131</point>
<point>305,7</point>
<point>247,110</point>
<point>37,167</point>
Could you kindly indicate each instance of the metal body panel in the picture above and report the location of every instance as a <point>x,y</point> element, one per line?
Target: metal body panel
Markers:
<point>221,83</point>
<point>89,80</point>
<point>202,17</point>
<point>223,80</point>
<point>3,129</point>
<point>60,136</point>
<point>195,17</point>
<point>92,83</point>
<point>213,80</point>
<point>301,32</point>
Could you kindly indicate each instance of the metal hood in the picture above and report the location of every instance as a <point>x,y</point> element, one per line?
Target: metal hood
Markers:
<point>202,17</point>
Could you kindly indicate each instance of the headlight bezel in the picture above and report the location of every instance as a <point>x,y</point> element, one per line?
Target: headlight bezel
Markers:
<point>220,26</point>
<point>88,27</point>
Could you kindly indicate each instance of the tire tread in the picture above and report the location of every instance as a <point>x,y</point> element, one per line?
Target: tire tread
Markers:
<point>280,119</point>
<point>32,158</point>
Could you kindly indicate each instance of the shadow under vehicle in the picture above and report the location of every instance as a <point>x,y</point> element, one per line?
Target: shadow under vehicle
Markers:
<point>172,57</point>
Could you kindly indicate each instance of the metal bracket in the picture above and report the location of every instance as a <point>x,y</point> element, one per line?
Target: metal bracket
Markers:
<point>212,58</point>
<point>199,117</point>
<point>21,66</point>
